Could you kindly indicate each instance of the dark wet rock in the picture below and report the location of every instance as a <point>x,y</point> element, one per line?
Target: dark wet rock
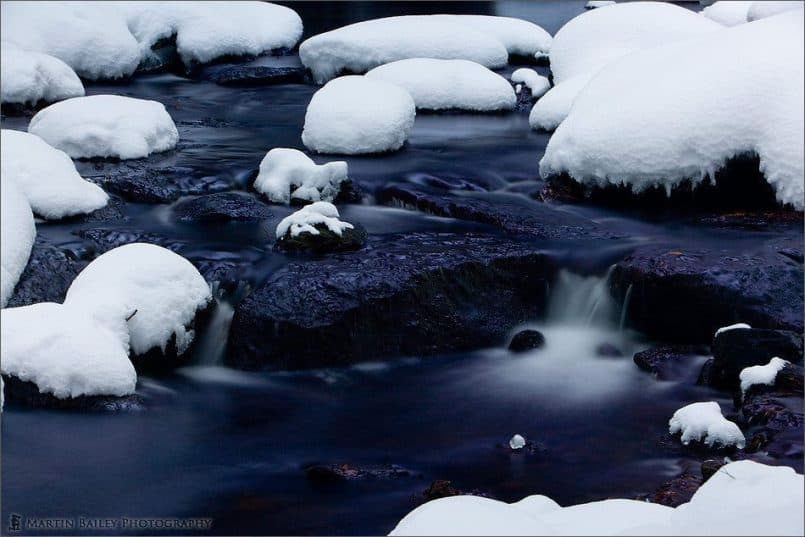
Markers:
<point>710,467</point>
<point>562,189</point>
<point>608,350</point>
<point>524,98</point>
<point>756,221</point>
<point>774,413</point>
<point>662,361</point>
<point>47,276</point>
<point>221,207</point>
<point>790,380</point>
<point>683,295</point>
<point>325,242</point>
<point>677,491</point>
<point>112,212</point>
<point>526,340</point>
<point>337,473</point>
<point>417,294</point>
<point>143,184</point>
<point>254,75</point>
<point>24,393</point>
<point>734,350</point>
<point>443,488</point>
<point>102,240</point>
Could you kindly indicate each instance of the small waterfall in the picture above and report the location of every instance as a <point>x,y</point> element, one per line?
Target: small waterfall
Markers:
<point>211,344</point>
<point>582,301</point>
<point>625,308</point>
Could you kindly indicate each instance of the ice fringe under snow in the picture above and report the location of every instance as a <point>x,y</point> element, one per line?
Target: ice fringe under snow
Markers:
<point>742,498</point>
<point>703,422</point>
<point>305,220</point>
<point>106,126</point>
<point>288,173</point>
<point>673,131</point>
<point>736,326</point>
<point>359,47</point>
<point>537,83</point>
<point>587,43</point>
<point>47,177</point>
<point>448,84</point>
<point>158,291</point>
<point>30,77</point>
<point>18,233</point>
<point>355,114</point>
<point>761,374</point>
<point>64,351</point>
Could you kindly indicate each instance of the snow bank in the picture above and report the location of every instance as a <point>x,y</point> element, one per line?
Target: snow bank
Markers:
<point>289,173</point>
<point>64,351</point>
<point>158,291</point>
<point>583,46</point>
<point>728,12</point>
<point>47,177</point>
<point>355,114</point>
<point>703,422</point>
<point>761,374</point>
<point>305,219</point>
<point>18,233</point>
<point>736,326</point>
<point>448,84</point>
<point>537,83</point>
<point>742,498</point>
<point>30,77</point>
<point>768,8</point>
<point>106,126</point>
<point>674,131</point>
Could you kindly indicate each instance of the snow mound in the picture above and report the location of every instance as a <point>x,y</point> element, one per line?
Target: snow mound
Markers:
<point>537,83</point>
<point>355,114</point>
<point>157,291</point>
<point>448,84</point>
<point>289,173</point>
<point>673,130</point>
<point>106,126</point>
<point>64,351</point>
<point>768,8</point>
<point>728,12</point>
<point>30,77</point>
<point>587,43</point>
<point>18,233</point>
<point>736,326</point>
<point>703,422</point>
<point>761,374</point>
<point>518,36</point>
<point>305,219</point>
<point>742,498</point>
<point>47,177</point>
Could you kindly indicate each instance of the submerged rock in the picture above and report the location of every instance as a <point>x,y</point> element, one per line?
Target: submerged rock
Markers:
<point>417,294</point>
<point>734,350</point>
<point>336,473</point>
<point>253,75</point>
<point>47,276</point>
<point>608,350</point>
<point>142,183</point>
<point>526,340</point>
<point>221,207</point>
<point>662,361</point>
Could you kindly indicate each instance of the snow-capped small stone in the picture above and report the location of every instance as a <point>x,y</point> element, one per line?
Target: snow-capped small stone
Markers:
<point>517,442</point>
<point>736,326</point>
<point>537,83</point>
<point>288,173</point>
<point>30,77</point>
<point>47,177</point>
<point>761,374</point>
<point>18,233</point>
<point>106,126</point>
<point>448,84</point>
<point>703,422</point>
<point>308,217</point>
<point>355,114</point>
<point>595,4</point>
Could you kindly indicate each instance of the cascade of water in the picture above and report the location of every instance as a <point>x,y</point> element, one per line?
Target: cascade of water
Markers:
<point>582,300</point>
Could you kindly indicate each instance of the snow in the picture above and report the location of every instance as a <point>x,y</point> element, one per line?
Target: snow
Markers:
<point>30,77</point>
<point>742,498</point>
<point>448,84</point>
<point>728,12</point>
<point>161,289</point>
<point>703,422</point>
<point>519,37</point>
<point>768,8</point>
<point>594,4</point>
<point>736,326</point>
<point>64,351</point>
<point>18,233</point>
<point>305,219</point>
<point>537,83</point>
<point>106,126</point>
<point>587,43</point>
<point>356,114</point>
<point>47,177</point>
<point>289,173</point>
<point>674,131</point>
<point>761,374</point>
<point>517,442</point>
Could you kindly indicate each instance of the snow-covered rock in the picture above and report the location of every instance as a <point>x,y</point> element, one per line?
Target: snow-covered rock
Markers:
<point>106,126</point>
<point>736,326</point>
<point>47,177</point>
<point>30,77</point>
<point>742,498</point>
<point>673,131</point>
<point>587,43</point>
<point>595,4</point>
<point>728,12</point>
<point>518,36</point>
<point>308,217</point>
<point>517,442</point>
<point>448,84</point>
<point>288,173</point>
<point>155,290</point>
<point>64,351</point>
<point>761,374</point>
<point>537,83</point>
<point>703,422</point>
<point>18,233</point>
<point>769,8</point>
<point>356,114</point>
